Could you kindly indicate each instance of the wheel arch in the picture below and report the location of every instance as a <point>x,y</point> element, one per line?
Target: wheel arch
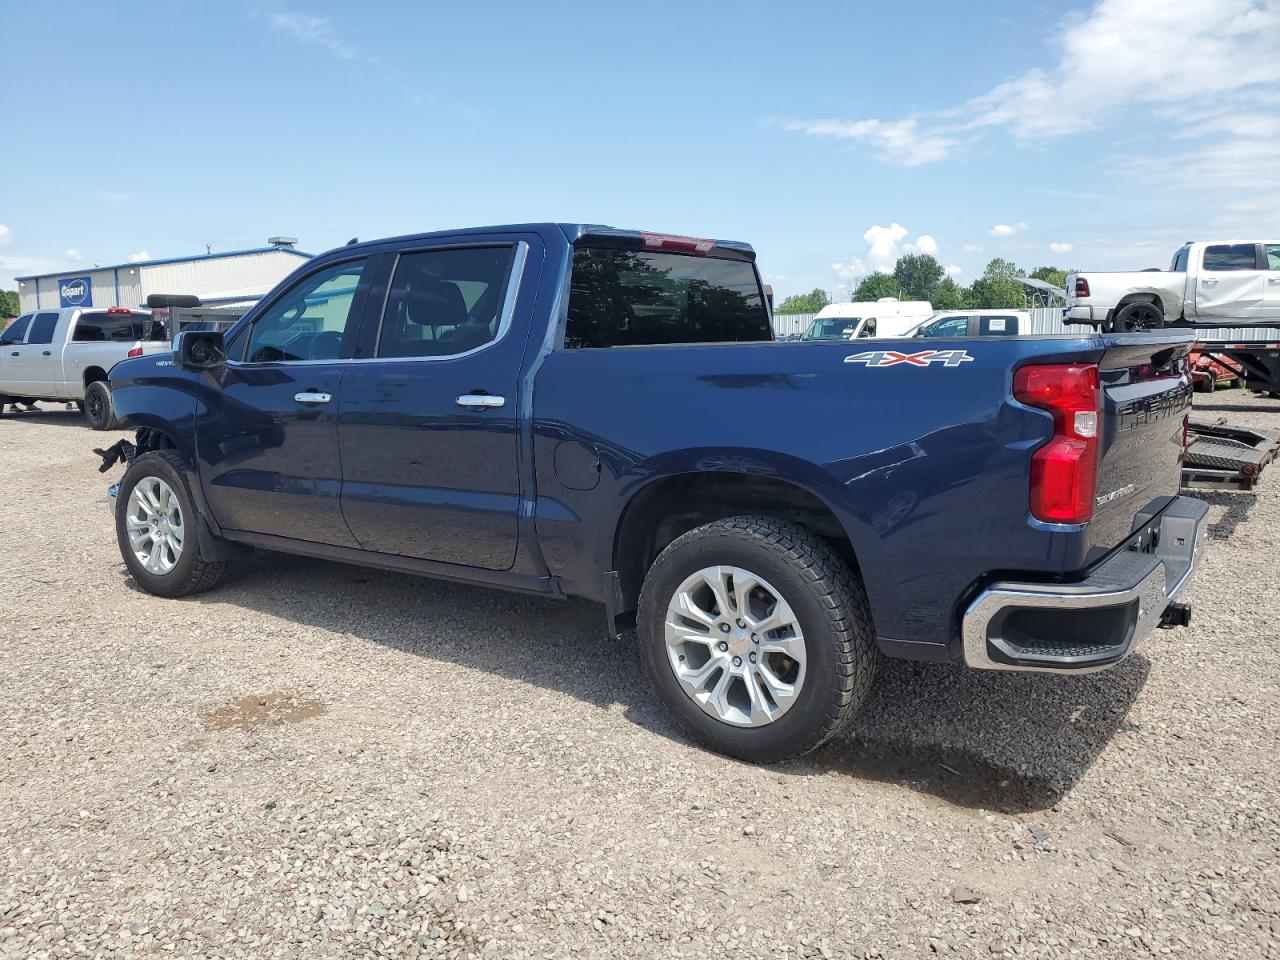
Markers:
<point>666,507</point>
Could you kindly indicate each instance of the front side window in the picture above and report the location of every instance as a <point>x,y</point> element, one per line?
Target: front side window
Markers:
<point>42,328</point>
<point>310,319</point>
<point>637,297</point>
<point>16,331</point>
<point>950,327</point>
<point>868,328</point>
<point>1230,256</point>
<point>832,328</point>
<point>445,302</point>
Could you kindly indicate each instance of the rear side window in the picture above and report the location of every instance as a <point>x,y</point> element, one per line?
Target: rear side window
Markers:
<point>1272,250</point>
<point>950,327</point>
<point>636,297</point>
<point>1180,261</point>
<point>16,330</point>
<point>445,302</point>
<point>997,326</point>
<point>101,327</point>
<point>1231,256</point>
<point>42,328</point>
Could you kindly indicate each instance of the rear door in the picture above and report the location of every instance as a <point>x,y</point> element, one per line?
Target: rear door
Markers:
<point>1231,283</point>
<point>428,428</point>
<point>1271,260</point>
<point>1146,393</point>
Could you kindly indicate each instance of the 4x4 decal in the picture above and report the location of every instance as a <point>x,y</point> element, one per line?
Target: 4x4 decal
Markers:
<point>889,358</point>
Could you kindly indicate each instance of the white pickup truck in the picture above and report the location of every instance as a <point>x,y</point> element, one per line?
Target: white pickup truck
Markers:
<point>65,355</point>
<point>1214,283</point>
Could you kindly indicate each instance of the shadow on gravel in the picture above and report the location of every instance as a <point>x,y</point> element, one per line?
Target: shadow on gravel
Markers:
<point>1003,742</point>
<point>1238,506</point>
<point>51,415</point>
<point>1010,743</point>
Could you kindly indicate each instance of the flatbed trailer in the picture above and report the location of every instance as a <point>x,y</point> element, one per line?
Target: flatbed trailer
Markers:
<point>1253,354</point>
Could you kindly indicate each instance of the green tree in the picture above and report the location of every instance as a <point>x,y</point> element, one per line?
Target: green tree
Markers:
<point>918,275</point>
<point>876,285</point>
<point>810,302</point>
<point>997,286</point>
<point>9,303</point>
<point>1050,275</point>
<point>949,295</point>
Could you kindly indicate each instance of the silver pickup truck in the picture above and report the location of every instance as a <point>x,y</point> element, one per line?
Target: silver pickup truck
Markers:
<point>1208,284</point>
<point>65,356</point>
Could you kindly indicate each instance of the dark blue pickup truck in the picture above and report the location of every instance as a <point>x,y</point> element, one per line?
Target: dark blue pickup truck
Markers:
<point>575,410</point>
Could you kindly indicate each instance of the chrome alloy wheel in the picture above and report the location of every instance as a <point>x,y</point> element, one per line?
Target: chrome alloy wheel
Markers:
<point>735,646</point>
<point>154,520</point>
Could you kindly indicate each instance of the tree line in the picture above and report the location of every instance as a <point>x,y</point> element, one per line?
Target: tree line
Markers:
<point>918,276</point>
<point>8,304</point>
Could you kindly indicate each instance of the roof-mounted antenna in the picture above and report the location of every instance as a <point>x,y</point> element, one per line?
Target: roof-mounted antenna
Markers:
<point>353,240</point>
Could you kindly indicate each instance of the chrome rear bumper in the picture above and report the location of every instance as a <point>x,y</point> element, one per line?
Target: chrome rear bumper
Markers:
<point>1095,623</point>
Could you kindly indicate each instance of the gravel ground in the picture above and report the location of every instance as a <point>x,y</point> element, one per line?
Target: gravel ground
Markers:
<point>324,761</point>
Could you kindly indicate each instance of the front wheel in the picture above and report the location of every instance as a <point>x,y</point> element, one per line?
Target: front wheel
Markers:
<point>1137,317</point>
<point>98,410</point>
<point>156,522</point>
<point>756,637</point>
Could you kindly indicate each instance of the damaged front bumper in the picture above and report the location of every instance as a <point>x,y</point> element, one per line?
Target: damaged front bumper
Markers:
<point>1098,621</point>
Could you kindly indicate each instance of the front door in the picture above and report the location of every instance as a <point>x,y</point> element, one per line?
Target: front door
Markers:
<point>12,339</point>
<point>428,425</point>
<point>1230,284</point>
<point>268,440</point>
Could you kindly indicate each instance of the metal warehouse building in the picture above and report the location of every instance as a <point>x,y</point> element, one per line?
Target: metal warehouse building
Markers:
<point>237,276</point>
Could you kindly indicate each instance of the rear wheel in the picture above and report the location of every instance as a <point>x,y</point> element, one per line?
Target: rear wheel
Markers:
<point>156,523</point>
<point>98,410</point>
<point>756,638</point>
<point>1136,317</point>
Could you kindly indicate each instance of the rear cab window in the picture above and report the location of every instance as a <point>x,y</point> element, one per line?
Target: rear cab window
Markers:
<point>640,297</point>
<point>101,326</point>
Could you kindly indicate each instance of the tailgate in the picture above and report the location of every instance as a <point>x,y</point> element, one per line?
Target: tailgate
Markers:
<point>1146,395</point>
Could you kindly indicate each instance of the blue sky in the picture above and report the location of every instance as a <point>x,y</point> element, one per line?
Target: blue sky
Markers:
<point>832,136</point>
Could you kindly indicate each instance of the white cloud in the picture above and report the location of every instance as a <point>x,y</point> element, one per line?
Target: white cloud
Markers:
<point>1199,67</point>
<point>884,246</point>
<point>898,141</point>
<point>1059,247</point>
<point>952,270</point>
<point>924,244</point>
<point>6,236</point>
<point>1006,229</point>
<point>139,256</point>
<point>74,255</point>
<point>318,31</point>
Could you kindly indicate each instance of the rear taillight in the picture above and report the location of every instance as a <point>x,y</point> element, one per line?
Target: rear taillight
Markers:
<point>135,352</point>
<point>1082,287</point>
<point>671,241</point>
<point>1063,471</point>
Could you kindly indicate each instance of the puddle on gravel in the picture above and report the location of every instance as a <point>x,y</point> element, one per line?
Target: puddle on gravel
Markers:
<point>955,776</point>
<point>256,711</point>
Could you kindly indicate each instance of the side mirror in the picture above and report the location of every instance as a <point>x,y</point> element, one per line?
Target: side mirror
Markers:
<point>199,350</point>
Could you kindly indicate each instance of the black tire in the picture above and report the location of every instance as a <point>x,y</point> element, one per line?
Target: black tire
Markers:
<point>98,410</point>
<point>829,603</point>
<point>191,574</point>
<point>1137,317</point>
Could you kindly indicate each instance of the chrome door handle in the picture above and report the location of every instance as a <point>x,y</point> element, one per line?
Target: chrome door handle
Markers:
<point>1209,281</point>
<point>1273,279</point>
<point>311,397</point>
<point>480,401</point>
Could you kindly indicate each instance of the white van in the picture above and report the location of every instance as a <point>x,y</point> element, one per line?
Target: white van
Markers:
<point>886,317</point>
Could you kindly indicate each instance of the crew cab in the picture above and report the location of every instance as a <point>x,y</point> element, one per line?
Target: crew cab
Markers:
<point>66,354</point>
<point>576,410</point>
<point>975,323</point>
<point>1213,283</point>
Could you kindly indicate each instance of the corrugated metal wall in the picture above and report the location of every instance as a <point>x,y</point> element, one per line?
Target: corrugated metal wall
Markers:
<point>216,277</point>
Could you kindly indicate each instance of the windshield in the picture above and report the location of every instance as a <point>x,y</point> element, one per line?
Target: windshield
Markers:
<point>832,328</point>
